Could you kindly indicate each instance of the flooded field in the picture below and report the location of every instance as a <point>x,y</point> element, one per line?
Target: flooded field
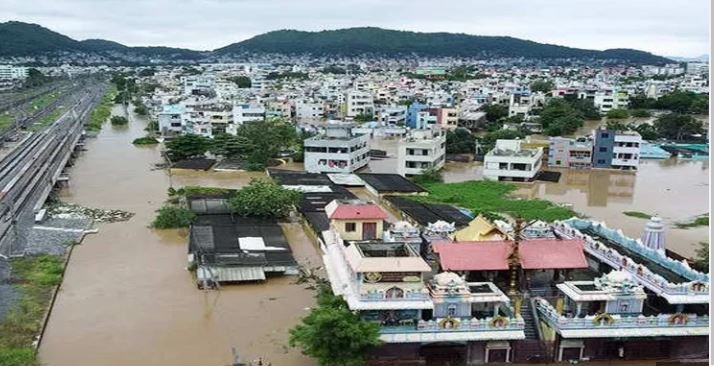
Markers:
<point>126,298</point>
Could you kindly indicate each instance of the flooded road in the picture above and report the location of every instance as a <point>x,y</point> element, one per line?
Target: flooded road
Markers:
<point>127,299</point>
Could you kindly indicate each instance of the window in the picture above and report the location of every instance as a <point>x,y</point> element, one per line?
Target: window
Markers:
<point>604,135</point>
<point>601,161</point>
<point>603,149</point>
<point>451,310</point>
<point>350,227</point>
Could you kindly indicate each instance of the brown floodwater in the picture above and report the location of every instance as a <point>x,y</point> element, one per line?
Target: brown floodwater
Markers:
<point>127,299</point>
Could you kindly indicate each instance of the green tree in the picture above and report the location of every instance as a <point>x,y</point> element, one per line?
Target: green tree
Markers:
<point>430,175</point>
<point>542,86</point>
<point>187,146</point>
<point>640,113</point>
<point>119,120</point>
<point>647,131</point>
<point>559,117</point>
<point>460,141</point>
<point>677,126</point>
<point>333,334</point>
<point>640,101</point>
<point>264,198</point>
<point>35,78</point>
<point>363,118</point>
<point>260,141</point>
<point>618,113</point>
<point>226,145</point>
<point>494,112</point>
<point>586,108</point>
<point>241,81</point>
<point>173,217</point>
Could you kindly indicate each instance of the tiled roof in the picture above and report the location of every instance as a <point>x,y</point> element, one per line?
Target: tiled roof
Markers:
<point>358,212</point>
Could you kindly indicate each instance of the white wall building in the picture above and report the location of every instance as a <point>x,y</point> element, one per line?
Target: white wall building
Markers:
<point>608,99</point>
<point>248,112</point>
<point>11,72</point>
<point>306,111</point>
<point>420,150</point>
<point>626,151</point>
<point>509,161</point>
<point>338,150</point>
<point>172,120</point>
<point>359,102</point>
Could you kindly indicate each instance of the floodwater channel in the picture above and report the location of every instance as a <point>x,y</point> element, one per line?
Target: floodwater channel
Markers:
<point>127,298</point>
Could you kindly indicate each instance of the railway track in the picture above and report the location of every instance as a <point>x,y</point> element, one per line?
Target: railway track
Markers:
<point>30,171</point>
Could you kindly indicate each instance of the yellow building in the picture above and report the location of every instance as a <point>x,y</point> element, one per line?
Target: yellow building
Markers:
<point>479,229</point>
<point>356,220</point>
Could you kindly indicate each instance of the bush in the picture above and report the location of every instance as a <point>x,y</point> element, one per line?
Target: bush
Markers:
<point>119,121</point>
<point>640,113</point>
<point>618,113</point>
<point>146,140</point>
<point>18,357</point>
<point>172,217</point>
<point>264,198</point>
<point>430,175</point>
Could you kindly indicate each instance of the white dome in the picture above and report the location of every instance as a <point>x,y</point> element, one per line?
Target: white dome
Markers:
<point>618,277</point>
<point>447,278</point>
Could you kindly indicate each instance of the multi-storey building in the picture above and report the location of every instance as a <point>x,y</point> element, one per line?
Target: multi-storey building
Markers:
<point>11,72</point>
<point>510,161</point>
<point>420,150</point>
<point>172,119</point>
<point>448,117</point>
<point>616,149</point>
<point>359,103</point>
<point>570,153</point>
<point>608,99</point>
<point>306,111</point>
<point>337,150</point>
<point>248,112</point>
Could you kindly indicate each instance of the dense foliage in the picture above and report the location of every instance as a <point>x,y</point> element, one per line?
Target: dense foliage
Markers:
<point>676,126</point>
<point>495,112</point>
<point>544,86</point>
<point>562,117</point>
<point>119,120</point>
<point>187,146</point>
<point>356,41</point>
<point>241,81</point>
<point>677,101</point>
<point>264,198</point>
<point>460,141</point>
<point>275,75</point>
<point>173,217</point>
<point>492,199</point>
<point>146,140</point>
<point>262,140</point>
<point>618,113</point>
<point>333,334</point>
<point>102,111</point>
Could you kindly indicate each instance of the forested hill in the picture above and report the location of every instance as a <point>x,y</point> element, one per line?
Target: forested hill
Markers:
<point>356,41</point>
<point>19,39</point>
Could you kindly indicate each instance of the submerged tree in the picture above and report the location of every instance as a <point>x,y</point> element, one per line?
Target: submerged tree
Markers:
<point>264,198</point>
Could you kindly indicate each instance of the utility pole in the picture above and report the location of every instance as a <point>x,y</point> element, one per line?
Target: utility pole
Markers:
<point>166,157</point>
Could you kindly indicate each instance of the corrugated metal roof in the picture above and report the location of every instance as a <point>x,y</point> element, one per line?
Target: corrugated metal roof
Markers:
<point>230,274</point>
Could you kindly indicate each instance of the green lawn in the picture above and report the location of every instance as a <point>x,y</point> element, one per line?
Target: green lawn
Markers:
<point>638,214</point>
<point>6,120</point>
<point>35,276</point>
<point>43,100</point>
<point>494,199</point>
<point>702,220</point>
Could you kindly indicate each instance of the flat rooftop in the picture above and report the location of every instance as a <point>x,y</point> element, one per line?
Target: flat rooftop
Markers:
<point>426,213</point>
<point>385,250</point>
<point>395,183</point>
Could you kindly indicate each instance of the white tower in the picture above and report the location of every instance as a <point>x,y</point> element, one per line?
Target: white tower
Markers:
<point>653,235</point>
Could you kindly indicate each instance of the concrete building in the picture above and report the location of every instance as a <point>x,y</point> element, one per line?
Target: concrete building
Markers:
<point>359,103</point>
<point>11,72</point>
<point>421,149</point>
<point>510,161</point>
<point>608,99</point>
<point>448,118</point>
<point>248,112</point>
<point>172,119</point>
<point>603,143</point>
<point>570,153</point>
<point>306,111</point>
<point>338,150</point>
<point>626,150</point>
<point>394,115</point>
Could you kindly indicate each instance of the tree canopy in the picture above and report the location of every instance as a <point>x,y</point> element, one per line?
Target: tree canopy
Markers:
<point>559,117</point>
<point>264,198</point>
<point>618,113</point>
<point>333,334</point>
<point>677,101</point>
<point>241,81</point>
<point>677,126</point>
<point>542,86</point>
<point>187,146</point>
<point>460,141</point>
<point>262,140</point>
<point>494,112</point>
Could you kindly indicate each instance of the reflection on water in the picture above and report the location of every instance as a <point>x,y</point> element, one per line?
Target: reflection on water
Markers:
<point>127,299</point>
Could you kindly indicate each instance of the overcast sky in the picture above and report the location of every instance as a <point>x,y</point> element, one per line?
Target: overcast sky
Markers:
<point>664,27</point>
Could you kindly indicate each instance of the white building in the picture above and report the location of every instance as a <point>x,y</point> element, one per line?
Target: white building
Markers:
<point>608,99</point>
<point>392,115</point>
<point>421,149</point>
<point>509,161</point>
<point>172,120</point>
<point>248,112</point>
<point>359,102</point>
<point>11,72</point>
<point>306,111</point>
<point>338,150</point>
<point>626,150</point>
<point>197,84</point>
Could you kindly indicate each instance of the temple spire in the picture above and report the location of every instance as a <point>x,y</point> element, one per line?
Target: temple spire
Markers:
<point>653,235</point>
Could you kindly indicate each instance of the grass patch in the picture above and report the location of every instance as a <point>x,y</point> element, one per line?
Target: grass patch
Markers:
<point>493,199</point>
<point>43,100</point>
<point>103,110</point>
<point>701,220</point>
<point>638,214</point>
<point>5,120</point>
<point>35,277</point>
<point>146,140</point>
<point>47,119</point>
<point>202,191</point>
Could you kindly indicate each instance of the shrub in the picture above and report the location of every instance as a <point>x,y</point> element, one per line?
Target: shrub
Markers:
<point>172,217</point>
<point>146,140</point>
<point>119,120</point>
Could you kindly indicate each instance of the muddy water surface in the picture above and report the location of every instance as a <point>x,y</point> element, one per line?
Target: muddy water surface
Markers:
<point>127,299</point>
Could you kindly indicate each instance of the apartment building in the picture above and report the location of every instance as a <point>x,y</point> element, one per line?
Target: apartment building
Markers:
<point>393,115</point>
<point>570,153</point>
<point>359,103</point>
<point>248,112</point>
<point>172,120</point>
<point>337,150</point>
<point>616,149</point>
<point>11,72</point>
<point>420,150</point>
<point>510,161</point>
<point>608,99</point>
<point>448,117</point>
<point>308,111</point>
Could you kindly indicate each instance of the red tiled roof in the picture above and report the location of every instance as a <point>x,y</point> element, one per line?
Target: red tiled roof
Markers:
<point>492,255</point>
<point>473,256</point>
<point>552,254</point>
<point>358,212</point>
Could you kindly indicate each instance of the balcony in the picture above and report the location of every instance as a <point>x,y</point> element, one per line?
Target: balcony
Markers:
<point>454,329</point>
<point>621,325</point>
